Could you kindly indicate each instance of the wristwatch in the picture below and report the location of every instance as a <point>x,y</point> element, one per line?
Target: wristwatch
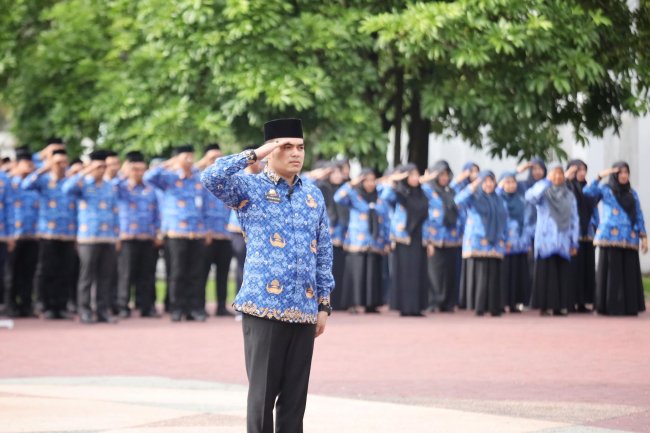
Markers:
<point>326,308</point>
<point>251,156</point>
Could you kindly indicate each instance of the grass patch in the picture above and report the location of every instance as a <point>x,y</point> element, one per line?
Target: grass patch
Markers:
<point>646,286</point>
<point>210,291</point>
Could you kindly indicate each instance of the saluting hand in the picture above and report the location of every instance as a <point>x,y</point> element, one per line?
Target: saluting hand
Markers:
<point>357,180</point>
<point>607,172</point>
<point>571,172</point>
<point>265,150</point>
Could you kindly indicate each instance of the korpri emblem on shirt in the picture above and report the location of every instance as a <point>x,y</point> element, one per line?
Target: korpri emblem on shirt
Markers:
<point>272,196</point>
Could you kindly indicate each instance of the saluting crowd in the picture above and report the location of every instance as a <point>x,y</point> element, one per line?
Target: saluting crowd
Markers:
<point>85,238</point>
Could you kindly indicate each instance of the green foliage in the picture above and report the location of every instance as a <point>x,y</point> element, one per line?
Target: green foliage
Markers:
<point>149,74</point>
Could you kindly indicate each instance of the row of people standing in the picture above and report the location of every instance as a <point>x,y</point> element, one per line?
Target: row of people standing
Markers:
<point>92,234</point>
<point>487,244</point>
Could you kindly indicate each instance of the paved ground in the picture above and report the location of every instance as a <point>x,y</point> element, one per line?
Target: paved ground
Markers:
<point>442,373</point>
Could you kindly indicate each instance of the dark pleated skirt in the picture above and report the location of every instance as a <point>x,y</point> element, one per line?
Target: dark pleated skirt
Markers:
<point>583,273</point>
<point>619,286</point>
<point>443,273</point>
<point>515,279</point>
<point>480,285</point>
<point>362,280</point>
<point>551,284</point>
<point>338,296</point>
<point>409,282</point>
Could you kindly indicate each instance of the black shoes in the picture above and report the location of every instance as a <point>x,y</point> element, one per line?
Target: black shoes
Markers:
<point>86,317</point>
<point>176,316</point>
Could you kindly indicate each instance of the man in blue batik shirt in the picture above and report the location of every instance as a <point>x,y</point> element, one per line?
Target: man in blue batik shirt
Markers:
<point>183,225</point>
<point>97,236</point>
<point>57,230</point>
<point>139,227</point>
<point>285,296</point>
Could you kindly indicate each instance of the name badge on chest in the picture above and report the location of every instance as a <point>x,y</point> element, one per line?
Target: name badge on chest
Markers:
<point>272,196</point>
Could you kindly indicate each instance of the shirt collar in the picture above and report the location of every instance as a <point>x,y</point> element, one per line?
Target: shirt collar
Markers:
<point>275,178</point>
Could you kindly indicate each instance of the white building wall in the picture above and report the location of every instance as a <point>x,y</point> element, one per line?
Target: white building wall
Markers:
<point>632,145</point>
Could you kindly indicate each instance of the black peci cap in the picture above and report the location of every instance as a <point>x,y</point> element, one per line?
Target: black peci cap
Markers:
<point>283,128</point>
<point>186,148</point>
<point>135,156</point>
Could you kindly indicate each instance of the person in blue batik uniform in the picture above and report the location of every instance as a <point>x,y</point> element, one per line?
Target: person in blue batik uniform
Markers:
<point>619,286</point>
<point>556,241</point>
<point>219,246</point>
<point>97,237</point>
<point>409,285</point>
<point>6,242</point>
<point>483,245</point>
<point>583,264</point>
<point>443,237</point>
<point>285,296</point>
<point>366,241</point>
<point>183,225</point>
<point>515,274</point>
<point>139,229</point>
<point>21,263</point>
<point>57,232</point>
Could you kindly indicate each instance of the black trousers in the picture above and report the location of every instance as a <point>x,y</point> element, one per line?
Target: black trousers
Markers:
<point>278,362</point>
<point>137,268</point>
<point>19,276</point>
<point>220,253</point>
<point>55,272</point>
<point>3,259</point>
<point>186,265</point>
<point>96,266</point>
<point>239,252</point>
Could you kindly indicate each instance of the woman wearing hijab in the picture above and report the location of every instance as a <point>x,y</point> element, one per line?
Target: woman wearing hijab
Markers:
<point>329,179</point>
<point>619,287</point>
<point>409,259</point>
<point>442,235</point>
<point>537,171</point>
<point>583,264</point>
<point>556,240</point>
<point>366,241</point>
<point>483,245</point>
<point>515,274</point>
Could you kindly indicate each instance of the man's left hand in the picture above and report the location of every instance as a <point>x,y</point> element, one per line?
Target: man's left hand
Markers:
<point>320,323</point>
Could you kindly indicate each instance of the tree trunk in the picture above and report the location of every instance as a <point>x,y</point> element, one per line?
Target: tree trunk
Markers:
<point>399,117</point>
<point>418,129</point>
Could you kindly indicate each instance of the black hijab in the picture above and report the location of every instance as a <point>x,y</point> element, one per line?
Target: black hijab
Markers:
<point>585,204</point>
<point>623,192</point>
<point>371,199</point>
<point>490,207</point>
<point>412,198</point>
<point>515,202</point>
<point>447,194</point>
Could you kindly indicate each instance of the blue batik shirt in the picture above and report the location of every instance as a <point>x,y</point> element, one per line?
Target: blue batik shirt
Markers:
<point>217,216</point>
<point>24,208</point>
<point>288,268</point>
<point>138,210</point>
<point>57,217</point>
<point>549,240</point>
<point>6,212</point>
<point>358,237</point>
<point>436,232</point>
<point>615,228</point>
<point>182,207</point>
<point>475,243</point>
<point>97,210</point>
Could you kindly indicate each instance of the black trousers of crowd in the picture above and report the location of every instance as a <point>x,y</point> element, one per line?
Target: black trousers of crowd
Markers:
<point>278,363</point>
<point>96,267</point>
<point>19,277</point>
<point>137,268</point>
<point>239,252</point>
<point>3,260</point>
<point>55,273</point>
<point>220,253</point>
<point>186,269</point>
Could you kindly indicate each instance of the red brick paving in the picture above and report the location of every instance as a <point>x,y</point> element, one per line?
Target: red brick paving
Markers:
<point>580,358</point>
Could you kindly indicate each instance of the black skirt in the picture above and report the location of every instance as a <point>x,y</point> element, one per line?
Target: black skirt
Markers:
<point>515,279</point>
<point>443,278</point>
<point>409,281</point>
<point>551,284</point>
<point>362,280</point>
<point>583,273</point>
<point>480,285</point>
<point>619,286</point>
<point>337,296</point>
